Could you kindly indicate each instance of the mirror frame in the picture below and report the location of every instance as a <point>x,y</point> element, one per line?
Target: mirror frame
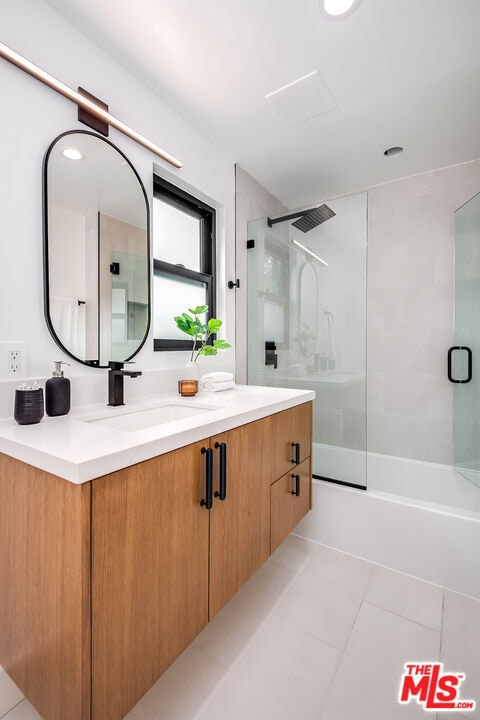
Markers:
<point>46,282</point>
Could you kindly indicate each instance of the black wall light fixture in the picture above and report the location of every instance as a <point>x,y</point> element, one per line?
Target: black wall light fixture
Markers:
<point>83,101</point>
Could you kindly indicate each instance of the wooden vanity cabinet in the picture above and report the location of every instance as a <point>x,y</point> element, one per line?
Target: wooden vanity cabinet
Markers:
<point>292,431</point>
<point>102,585</point>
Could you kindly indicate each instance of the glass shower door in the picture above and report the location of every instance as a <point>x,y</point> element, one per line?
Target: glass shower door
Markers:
<point>465,354</point>
<point>307,324</point>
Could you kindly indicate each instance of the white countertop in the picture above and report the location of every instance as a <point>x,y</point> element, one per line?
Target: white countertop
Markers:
<point>78,451</point>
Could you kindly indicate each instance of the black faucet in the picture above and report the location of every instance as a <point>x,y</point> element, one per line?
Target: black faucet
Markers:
<point>115,382</point>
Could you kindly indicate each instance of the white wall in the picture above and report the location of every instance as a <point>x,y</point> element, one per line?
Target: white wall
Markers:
<point>32,116</point>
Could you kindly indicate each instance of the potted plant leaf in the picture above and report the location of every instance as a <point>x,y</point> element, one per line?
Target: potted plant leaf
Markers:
<point>202,344</point>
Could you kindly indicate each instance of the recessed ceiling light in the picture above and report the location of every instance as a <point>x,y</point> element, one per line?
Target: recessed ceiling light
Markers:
<point>72,153</point>
<point>338,8</point>
<point>396,150</point>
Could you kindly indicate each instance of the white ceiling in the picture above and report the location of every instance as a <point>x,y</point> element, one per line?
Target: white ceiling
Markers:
<point>401,72</point>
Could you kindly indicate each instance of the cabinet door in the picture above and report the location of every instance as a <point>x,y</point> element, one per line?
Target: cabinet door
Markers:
<point>240,524</point>
<point>287,507</point>
<point>44,589</point>
<point>149,574</point>
<point>291,427</point>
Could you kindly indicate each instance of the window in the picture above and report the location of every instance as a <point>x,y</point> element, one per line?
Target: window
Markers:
<point>183,231</point>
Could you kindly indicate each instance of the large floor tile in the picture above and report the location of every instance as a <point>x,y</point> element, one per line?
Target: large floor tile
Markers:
<point>367,681</point>
<point>236,624</point>
<point>329,616</point>
<point>461,643</point>
<point>294,552</point>
<point>406,596</point>
<point>181,691</point>
<point>332,571</point>
<point>284,674</point>
<point>22,711</point>
<point>326,595</point>
<point>10,695</point>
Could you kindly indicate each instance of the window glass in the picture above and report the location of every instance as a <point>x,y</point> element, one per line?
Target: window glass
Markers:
<point>172,296</point>
<point>176,235</point>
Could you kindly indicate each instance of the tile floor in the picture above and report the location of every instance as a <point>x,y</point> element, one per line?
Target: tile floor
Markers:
<point>315,635</point>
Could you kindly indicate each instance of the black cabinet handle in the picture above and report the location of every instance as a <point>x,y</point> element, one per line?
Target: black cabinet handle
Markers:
<point>208,499</point>
<point>297,485</point>
<point>222,493</point>
<point>449,368</point>
<point>296,459</point>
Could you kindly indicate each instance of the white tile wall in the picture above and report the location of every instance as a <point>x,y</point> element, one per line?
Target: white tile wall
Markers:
<point>410,311</point>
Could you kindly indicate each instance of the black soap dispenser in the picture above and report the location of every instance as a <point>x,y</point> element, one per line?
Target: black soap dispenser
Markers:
<point>57,391</point>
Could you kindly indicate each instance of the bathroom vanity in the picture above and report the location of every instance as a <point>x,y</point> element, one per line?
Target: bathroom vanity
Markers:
<point>110,567</point>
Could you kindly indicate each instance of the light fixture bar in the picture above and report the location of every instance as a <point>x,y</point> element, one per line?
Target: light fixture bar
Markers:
<point>310,252</point>
<point>44,77</point>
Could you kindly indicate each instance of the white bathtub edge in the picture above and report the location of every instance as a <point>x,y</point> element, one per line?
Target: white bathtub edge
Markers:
<point>411,537</point>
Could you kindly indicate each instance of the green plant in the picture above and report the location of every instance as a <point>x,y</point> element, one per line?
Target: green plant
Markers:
<point>201,332</point>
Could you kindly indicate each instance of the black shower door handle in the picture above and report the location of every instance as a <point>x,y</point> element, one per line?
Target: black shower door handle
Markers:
<point>449,364</point>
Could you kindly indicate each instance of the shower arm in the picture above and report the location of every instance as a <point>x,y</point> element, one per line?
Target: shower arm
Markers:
<point>284,218</point>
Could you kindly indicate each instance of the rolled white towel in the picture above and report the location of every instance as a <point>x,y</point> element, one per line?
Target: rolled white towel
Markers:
<point>216,377</point>
<point>217,386</point>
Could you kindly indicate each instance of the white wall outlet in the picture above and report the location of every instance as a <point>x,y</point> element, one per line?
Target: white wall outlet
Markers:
<point>13,357</point>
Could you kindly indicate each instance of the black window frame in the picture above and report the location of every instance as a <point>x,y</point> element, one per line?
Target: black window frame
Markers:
<point>187,203</point>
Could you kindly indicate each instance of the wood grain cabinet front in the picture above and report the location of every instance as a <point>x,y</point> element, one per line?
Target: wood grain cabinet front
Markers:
<point>292,430</point>
<point>291,499</point>
<point>240,523</point>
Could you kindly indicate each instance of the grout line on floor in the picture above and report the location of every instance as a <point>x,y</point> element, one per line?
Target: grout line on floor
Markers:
<point>404,617</point>
<point>387,567</point>
<point>12,708</point>
<point>342,650</point>
<point>441,625</point>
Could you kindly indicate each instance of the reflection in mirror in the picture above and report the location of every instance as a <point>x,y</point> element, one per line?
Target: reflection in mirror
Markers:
<point>96,250</point>
<point>308,310</point>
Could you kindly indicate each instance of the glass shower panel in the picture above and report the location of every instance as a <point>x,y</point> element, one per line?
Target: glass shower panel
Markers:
<point>466,395</point>
<point>307,325</point>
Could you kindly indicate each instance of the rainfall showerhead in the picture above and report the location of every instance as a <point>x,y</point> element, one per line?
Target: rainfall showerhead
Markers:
<point>313,218</point>
<point>307,219</point>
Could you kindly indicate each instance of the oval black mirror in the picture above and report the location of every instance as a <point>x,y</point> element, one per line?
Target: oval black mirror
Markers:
<point>96,250</point>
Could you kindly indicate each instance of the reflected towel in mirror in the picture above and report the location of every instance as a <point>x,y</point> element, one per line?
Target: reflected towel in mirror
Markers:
<point>68,320</point>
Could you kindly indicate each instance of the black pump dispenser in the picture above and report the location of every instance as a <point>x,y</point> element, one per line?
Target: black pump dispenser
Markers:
<point>57,391</point>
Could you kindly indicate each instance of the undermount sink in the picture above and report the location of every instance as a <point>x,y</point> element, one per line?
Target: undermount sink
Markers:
<point>143,418</point>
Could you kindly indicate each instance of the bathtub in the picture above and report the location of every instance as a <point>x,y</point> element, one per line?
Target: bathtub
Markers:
<point>420,518</point>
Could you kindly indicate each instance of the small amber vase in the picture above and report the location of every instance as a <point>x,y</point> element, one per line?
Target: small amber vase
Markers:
<point>188,388</point>
<point>188,385</point>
